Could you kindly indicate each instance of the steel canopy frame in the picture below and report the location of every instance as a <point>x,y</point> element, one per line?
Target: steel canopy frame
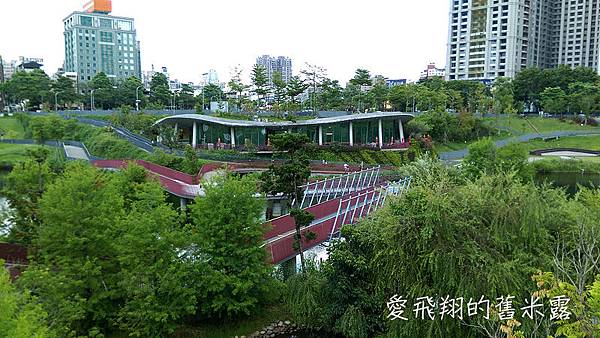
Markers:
<point>329,189</point>
<point>374,199</point>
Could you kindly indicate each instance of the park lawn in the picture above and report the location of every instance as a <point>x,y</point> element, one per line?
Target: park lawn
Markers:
<point>587,142</point>
<point>11,154</point>
<point>453,146</point>
<point>260,320</point>
<point>12,128</point>
<point>518,125</point>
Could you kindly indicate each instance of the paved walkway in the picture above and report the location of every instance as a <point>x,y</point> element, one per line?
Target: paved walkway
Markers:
<point>460,154</point>
<point>77,153</point>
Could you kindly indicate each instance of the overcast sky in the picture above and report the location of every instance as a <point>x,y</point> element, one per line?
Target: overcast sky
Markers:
<point>394,38</point>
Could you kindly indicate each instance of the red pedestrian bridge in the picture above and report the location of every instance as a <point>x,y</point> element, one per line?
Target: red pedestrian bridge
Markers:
<point>333,202</point>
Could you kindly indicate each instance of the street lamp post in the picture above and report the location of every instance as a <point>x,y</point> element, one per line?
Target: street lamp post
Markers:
<point>174,102</point>
<point>56,101</point>
<point>137,98</point>
<point>92,99</point>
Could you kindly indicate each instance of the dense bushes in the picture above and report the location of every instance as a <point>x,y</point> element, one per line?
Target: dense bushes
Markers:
<point>136,122</point>
<point>556,165</point>
<point>444,127</point>
<point>346,154</point>
<point>112,255</point>
<point>445,236</point>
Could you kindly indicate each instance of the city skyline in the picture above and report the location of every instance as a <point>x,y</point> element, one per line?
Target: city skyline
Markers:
<point>373,37</point>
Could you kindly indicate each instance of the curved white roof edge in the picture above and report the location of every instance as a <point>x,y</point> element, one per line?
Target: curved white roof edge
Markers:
<point>319,121</point>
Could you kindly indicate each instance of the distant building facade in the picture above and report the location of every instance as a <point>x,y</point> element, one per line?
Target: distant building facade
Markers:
<point>491,38</point>
<point>210,78</point>
<point>393,83</point>
<point>98,42</point>
<point>272,64</point>
<point>432,71</point>
<point>2,99</point>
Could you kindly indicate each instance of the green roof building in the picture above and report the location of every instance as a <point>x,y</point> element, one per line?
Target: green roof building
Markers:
<point>383,130</point>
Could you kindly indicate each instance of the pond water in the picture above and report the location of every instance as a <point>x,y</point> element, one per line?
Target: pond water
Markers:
<point>569,181</point>
<point>4,209</point>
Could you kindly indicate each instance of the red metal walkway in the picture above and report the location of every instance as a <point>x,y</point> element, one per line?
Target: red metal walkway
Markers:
<point>280,236</point>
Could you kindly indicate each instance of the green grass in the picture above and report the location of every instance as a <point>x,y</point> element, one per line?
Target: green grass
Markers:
<point>11,154</point>
<point>452,146</point>
<point>519,125</point>
<point>558,165</point>
<point>245,327</point>
<point>591,142</point>
<point>12,128</point>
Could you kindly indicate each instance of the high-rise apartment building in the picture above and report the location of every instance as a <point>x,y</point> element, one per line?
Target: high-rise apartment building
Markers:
<point>2,103</point>
<point>492,38</point>
<point>280,64</point>
<point>98,42</point>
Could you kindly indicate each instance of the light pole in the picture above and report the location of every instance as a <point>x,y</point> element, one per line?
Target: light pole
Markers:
<point>137,98</point>
<point>174,102</point>
<point>56,101</point>
<point>92,99</point>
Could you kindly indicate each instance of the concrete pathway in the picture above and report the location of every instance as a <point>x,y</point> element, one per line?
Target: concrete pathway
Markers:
<point>77,153</point>
<point>460,154</point>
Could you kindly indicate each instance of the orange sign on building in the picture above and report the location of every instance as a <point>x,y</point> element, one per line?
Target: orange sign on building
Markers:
<point>98,6</point>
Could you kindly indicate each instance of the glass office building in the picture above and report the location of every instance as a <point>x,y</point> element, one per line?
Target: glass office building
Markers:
<point>98,42</point>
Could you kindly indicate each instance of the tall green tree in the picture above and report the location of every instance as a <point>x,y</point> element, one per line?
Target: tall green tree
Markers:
<point>126,92</point>
<point>104,93</point>
<point>362,77</point>
<point>211,92</point>
<point>32,88</point>
<point>185,98</point>
<point>314,77</point>
<point>331,96</point>
<point>160,94</point>
<point>503,95</point>
<point>378,93</point>
<point>260,80</point>
<point>107,255</point>
<point>553,100</point>
<point>583,97</point>
<point>23,188</point>
<point>227,237</point>
<point>20,314</point>
<point>237,86</point>
<point>279,91</point>
<point>288,178</point>
<point>294,88</point>
<point>67,93</point>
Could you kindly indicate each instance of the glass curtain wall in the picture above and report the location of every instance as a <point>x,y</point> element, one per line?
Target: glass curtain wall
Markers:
<point>390,129</point>
<point>336,133</point>
<point>211,133</point>
<point>311,131</point>
<point>365,132</point>
<point>250,136</point>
